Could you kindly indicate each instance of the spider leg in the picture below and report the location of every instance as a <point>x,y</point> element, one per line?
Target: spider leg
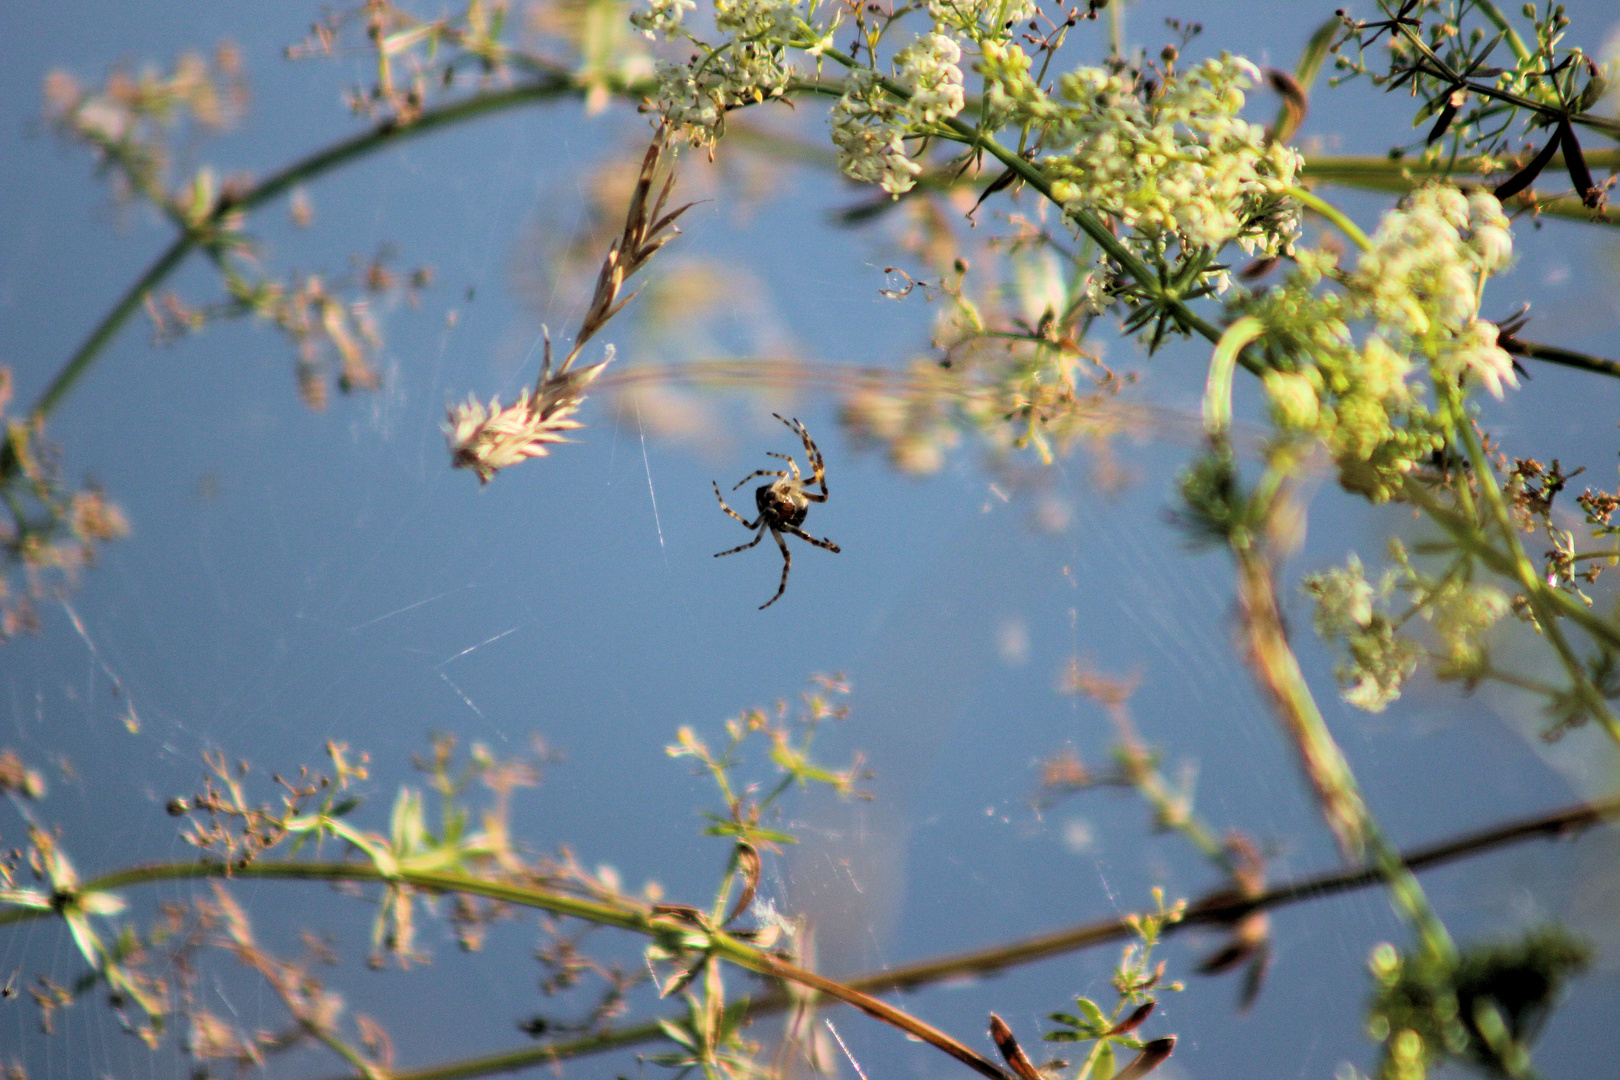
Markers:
<point>787,564</point>
<point>818,467</point>
<point>802,535</point>
<point>794,465</point>
<point>757,472</point>
<point>729,510</point>
<point>744,547</point>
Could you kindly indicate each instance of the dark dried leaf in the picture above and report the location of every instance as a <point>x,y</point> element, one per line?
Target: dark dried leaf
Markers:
<point>748,862</point>
<point>1575,162</point>
<point>1133,1021</point>
<point>998,184</point>
<point>1295,104</point>
<point>1258,268</point>
<point>1527,175</point>
<point>1254,977</point>
<point>1011,1052</point>
<point>1442,124</point>
<point>1152,1056</point>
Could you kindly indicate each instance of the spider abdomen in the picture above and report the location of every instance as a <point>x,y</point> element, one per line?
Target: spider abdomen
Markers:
<point>781,506</point>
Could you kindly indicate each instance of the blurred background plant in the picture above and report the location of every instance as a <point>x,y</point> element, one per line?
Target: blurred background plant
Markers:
<point>1053,207</point>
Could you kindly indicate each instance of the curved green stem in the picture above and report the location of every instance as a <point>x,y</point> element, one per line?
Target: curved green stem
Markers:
<point>308,168</point>
<point>1218,387</point>
<point>1321,759</point>
<point>1332,213</point>
<point>649,921</point>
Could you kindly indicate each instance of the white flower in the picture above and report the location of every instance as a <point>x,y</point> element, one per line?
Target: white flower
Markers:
<point>1490,238</point>
<point>928,68</point>
<point>1476,352</point>
<point>869,131</point>
<point>980,18</point>
<point>1182,164</point>
<point>1343,598</point>
<point>1421,269</point>
<point>663,19</point>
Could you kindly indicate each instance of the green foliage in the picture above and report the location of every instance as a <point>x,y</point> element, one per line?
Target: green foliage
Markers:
<point>1486,1005</point>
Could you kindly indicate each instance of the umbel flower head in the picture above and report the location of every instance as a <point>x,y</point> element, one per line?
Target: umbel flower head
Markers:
<point>488,440</point>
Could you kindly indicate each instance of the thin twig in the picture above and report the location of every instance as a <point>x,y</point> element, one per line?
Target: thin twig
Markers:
<point>305,169</point>
<point>1221,908</point>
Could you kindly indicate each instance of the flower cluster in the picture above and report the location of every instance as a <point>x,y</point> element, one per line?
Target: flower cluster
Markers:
<point>1428,256</point>
<point>1429,260</point>
<point>1417,291</point>
<point>662,19</point>
<point>980,20</point>
<point>870,126</point>
<point>1380,653</point>
<point>1177,163</point>
<point>928,67</point>
<point>869,130</point>
<point>748,66</point>
<point>1379,659</point>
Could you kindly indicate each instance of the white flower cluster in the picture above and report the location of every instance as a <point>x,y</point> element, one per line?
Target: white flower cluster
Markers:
<point>746,68</point>
<point>869,127</point>
<point>980,19</point>
<point>869,131</point>
<point>928,67</point>
<point>1429,260</point>
<point>1180,164</point>
<point>663,19</point>
<point>1379,659</point>
<point>692,111</point>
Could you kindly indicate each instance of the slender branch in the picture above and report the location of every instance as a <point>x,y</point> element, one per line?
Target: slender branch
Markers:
<point>1338,217</point>
<point>1323,761</point>
<point>1219,909</point>
<point>305,169</point>
<point>1552,354</point>
<point>625,916</point>
<point>1382,173</point>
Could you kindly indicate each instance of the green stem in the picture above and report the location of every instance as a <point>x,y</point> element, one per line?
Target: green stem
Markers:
<point>1382,173</point>
<point>1332,213</point>
<point>110,324</point>
<point>1320,756</point>
<point>307,168</point>
<point>1218,386</point>
<point>646,921</point>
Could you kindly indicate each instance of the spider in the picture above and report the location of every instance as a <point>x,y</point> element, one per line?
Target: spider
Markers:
<point>783,503</point>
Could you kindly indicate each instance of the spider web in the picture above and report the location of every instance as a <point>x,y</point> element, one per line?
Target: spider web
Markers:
<point>297,578</point>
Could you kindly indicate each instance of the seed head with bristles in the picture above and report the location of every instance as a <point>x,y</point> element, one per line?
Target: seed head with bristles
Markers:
<point>488,440</point>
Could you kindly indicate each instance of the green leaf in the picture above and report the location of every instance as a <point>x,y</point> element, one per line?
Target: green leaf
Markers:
<point>1065,1018</point>
<point>1094,1016</point>
<point>1103,1066</point>
<point>677,1033</point>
